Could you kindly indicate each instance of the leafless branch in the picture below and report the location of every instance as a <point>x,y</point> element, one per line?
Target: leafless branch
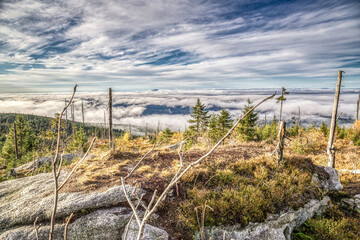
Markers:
<point>36,228</point>
<point>59,167</point>
<point>66,225</point>
<point>54,163</point>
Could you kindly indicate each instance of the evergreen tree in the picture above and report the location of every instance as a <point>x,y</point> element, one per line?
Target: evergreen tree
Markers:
<point>26,142</point>
<point>224,121</point>
<point>79,142</point>
<point>199,117</point>
<point>166,135</point>
<point>219,125</point>
<point>214,131</point>
<point>246,127</point>
<point>324,129</point>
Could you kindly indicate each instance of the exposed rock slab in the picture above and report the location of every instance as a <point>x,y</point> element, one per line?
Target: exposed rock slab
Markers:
<point>107,224</point>
<point>22,200</point>
<point>46,160</point>
<point>150,232</point>
<point>330,184</point>
<point>276,227</point>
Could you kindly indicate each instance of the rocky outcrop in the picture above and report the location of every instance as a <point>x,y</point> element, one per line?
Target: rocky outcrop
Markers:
<point>107,224</point>
<point>352,204</point>
<point>150,232</point>
<point>276,227</point>
<point>44,160</point>
<point>98,217</point>
<point>332,183</point>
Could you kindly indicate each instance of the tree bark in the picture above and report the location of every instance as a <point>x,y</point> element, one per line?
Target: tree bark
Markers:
<point>330,146</point>
<point>16,142</point>
<point>357,108</point>
<point>281,138</point>
<point>110,120</point>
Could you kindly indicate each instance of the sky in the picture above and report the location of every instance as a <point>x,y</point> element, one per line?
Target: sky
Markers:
<point>137,45</point>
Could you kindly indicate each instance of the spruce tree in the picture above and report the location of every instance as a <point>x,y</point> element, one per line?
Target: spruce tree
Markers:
<point>214,131</point>
<point>200,118</point>
<point>246,127</point>
<point>26,142</point>
<point>224,121</point>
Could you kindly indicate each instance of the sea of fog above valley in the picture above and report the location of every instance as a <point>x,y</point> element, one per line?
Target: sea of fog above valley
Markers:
<point>172,108</point>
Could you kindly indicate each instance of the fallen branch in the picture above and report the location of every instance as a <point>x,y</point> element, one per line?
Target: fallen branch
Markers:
<point>66,225</point>
<point>36,228</point>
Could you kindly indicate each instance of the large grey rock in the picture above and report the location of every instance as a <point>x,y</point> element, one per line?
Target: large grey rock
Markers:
<point>22,200</point>
<point>45,160</point>
<point>352,204</point>
<point>276,227</point>
<point>330,184</point>
<point>150,232</point>
<point>107,224</point>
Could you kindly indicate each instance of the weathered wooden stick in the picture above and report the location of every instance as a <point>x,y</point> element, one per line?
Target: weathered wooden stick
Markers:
<point>16,142</point>
<point>110,120</point>
<point>330,147</point>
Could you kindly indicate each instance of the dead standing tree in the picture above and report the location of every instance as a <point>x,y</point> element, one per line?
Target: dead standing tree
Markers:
<point>281,99</point>
<point>281,144</point>
<point>16,142</point>
<point>357,108</point>
<point>330,147</point>
<point>111,144</point>
<point>153,205</point>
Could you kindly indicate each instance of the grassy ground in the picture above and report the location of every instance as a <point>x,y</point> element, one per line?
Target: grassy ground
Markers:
<point>240,182</point>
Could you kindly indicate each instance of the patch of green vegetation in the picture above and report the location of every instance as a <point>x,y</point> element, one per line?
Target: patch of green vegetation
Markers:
<point>334,224</point>
<point>244,192</point>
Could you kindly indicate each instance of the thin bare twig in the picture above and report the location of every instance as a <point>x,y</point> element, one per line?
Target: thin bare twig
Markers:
<point>138,163</point>
<point>36,228</point>
<point>54,163</point>
<point>66,225</point>
<point>59,167</point>
<point>130,202</point>
<point>77,165</point>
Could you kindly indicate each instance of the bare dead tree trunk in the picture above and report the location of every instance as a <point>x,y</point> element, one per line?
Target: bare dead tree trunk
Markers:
<point>66,120</point>
<point>73,117</point>
<point>16,142</point>
<point>357,108</point>
<point>281,144</point>
<point>82,112</point>
<point>104,133</point>
<point>265,122</point>
<point>111,145</point>
<point>299,118</point>
<point>281,105</point>
<point>330,146</point>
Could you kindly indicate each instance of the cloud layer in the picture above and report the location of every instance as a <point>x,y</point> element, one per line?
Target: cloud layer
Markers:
<point>188,44</point>
<point>172,108</point>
